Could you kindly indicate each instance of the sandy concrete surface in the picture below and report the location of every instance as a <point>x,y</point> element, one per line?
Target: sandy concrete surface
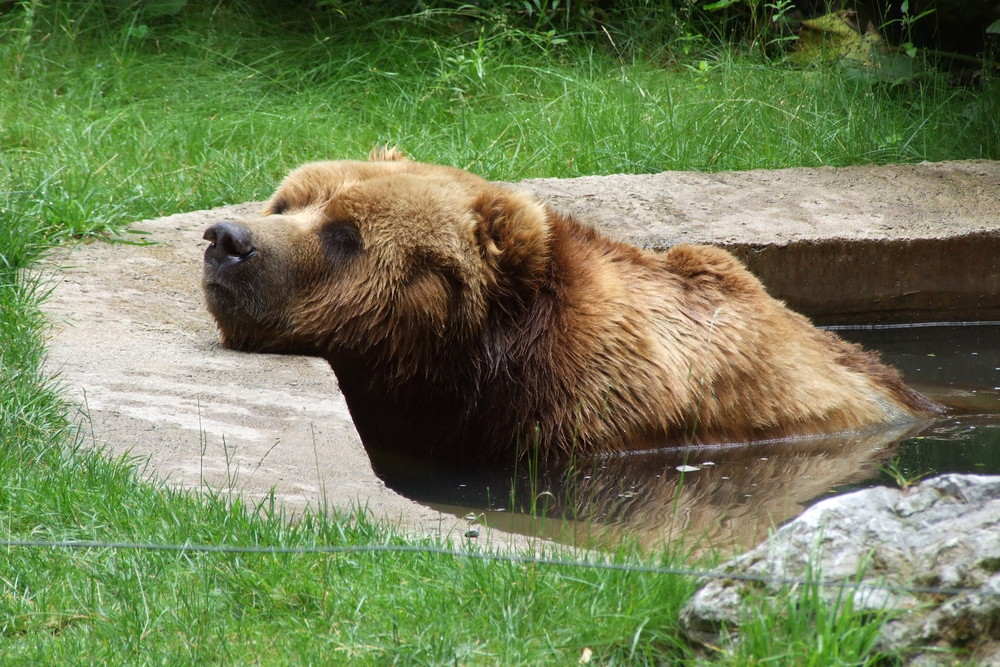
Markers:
<point>135,348</point>
<point>780,206</point>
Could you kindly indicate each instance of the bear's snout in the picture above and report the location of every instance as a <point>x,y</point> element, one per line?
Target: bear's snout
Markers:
<point>230,244</point>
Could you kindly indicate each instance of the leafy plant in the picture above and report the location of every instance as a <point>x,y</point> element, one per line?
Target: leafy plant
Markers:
<point>767,20</point>
<point>903,479</point>
<point>906,22</point>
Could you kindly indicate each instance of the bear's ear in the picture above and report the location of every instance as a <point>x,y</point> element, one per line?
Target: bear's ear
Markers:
<point>513,236</point>
<point>276,206</point>
<point>386,153</point>
<point>336,211</point>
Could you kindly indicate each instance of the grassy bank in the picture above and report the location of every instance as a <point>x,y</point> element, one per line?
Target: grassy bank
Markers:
<point>107,120</point>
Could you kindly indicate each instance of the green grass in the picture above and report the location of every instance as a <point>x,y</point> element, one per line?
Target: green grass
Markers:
<point>800,627</point>
<point>101,126</point>
<point>104,121</point>
<point>123,607</point>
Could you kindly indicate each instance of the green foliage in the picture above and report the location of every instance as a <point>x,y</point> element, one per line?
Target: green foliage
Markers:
<point>104,124</point>
<point>764,23</point>
<point>149,9</point>
<point>802,627</point>
<point>900,476</point>
<point>124,606</point>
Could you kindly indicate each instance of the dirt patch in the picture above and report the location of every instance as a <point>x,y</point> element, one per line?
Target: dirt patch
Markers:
<point>134,346</point>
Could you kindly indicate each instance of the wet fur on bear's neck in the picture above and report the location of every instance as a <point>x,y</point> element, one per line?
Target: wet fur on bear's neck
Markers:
<point>528,379</point>
<point>467,321</point>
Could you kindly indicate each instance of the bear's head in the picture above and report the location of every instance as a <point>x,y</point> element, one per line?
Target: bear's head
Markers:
<point>387,258</point>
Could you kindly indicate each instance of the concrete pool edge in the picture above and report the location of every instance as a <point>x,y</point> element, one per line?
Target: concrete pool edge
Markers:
<point>952,278</point>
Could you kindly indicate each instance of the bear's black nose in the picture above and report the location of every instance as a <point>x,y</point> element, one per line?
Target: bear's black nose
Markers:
<point>231,243</point>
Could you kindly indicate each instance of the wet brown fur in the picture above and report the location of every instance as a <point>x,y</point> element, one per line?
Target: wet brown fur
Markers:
<point>466,320</point>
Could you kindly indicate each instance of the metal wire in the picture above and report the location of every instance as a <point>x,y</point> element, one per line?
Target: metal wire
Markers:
<point>495,556</point>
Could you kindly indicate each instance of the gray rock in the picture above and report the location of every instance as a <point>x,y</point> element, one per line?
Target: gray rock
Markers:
<point>888,548</point>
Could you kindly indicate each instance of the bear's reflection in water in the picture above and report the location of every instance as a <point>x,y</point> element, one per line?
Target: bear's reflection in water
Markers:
<point>722,498</point>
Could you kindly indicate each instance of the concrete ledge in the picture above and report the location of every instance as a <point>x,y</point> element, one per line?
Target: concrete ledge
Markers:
<point>952,278</point>
<point>894,243</point>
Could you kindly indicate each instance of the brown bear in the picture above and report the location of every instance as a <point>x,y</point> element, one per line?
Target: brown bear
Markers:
<point>469,321</point>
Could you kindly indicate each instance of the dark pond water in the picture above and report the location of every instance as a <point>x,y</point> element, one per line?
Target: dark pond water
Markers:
<point>730,497</point>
